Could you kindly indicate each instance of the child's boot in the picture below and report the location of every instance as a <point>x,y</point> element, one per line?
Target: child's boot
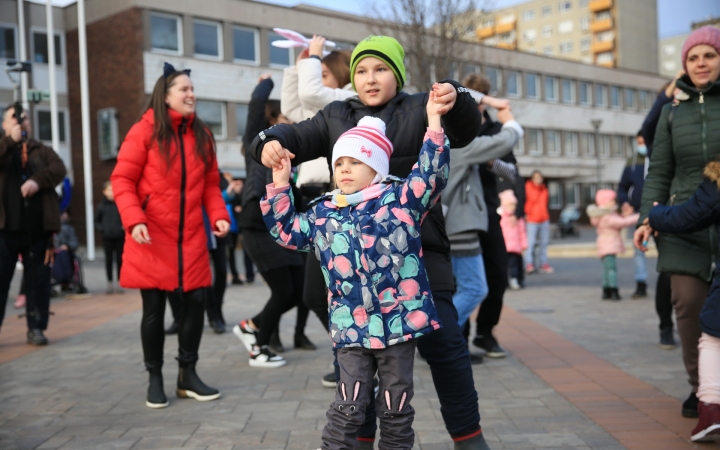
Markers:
<point>117,289</point>
<point>606,293</point>
<point>615,294</point>
<point>110,289</point>
<point>472,442</point>
<point>641,290</point>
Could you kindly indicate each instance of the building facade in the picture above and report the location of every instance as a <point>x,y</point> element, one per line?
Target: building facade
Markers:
<point>608,33</point>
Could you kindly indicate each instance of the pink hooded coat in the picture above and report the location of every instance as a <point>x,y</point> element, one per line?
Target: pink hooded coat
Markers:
<point>513,229</point>
<point>608,224</point>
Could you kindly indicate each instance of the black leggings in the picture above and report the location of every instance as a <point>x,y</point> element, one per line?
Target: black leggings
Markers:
<point>286,288</point>
<point>495,257</point>
<point>190,325</point>
<point>315,291</point>
<point>663,300</point>
<point>217,292</point>
<point>113,246</point>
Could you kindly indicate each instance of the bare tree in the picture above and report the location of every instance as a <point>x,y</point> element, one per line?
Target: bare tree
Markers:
<point>431,31</point>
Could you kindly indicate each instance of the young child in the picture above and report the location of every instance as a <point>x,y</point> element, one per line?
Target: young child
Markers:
<point>366,234</point>
<point>609,224</point>
<point>107,221</point>
<point>515,236</point>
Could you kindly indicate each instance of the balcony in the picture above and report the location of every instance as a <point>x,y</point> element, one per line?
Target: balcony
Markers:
<point>486,32</point>
<point>507,45</point>
<point>603,46</point>
<point>598,26</point>
<point>600,5</point>
<point>610,64</point>
<point>505,27</point>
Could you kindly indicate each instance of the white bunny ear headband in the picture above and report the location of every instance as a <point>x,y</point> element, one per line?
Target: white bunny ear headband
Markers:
<point>295,39</point>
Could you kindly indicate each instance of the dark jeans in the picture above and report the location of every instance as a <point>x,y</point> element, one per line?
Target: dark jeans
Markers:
<point>496,268</point>
<point>515,267</point>
<point>35,272</point>
<point>113,250</point>
<point>216,294</point>
<point>663,300</point>
<point>286,287</point>
<point>445,350</point>
<point>190,325</point>
<point>232,244</point>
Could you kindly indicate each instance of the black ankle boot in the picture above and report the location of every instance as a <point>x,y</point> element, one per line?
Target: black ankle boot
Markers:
<point>275,344</point>
<point>303,343</point>
<point>606,293</point>
<point>640,290</point>
<point>476,442</point>
<point>156,393</point>
<point>189,385</point>
<point>173,328</point>
<point>615,294</point>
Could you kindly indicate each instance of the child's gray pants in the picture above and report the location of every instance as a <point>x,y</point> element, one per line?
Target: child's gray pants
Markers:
<point>358,365</point>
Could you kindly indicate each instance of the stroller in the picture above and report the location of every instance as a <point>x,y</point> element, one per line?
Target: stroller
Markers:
<point>67,274</point>
<point>566,223</point>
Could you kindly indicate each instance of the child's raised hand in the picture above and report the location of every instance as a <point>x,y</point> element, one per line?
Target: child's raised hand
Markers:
<point>446,94</point>
<point>434,109</point>
<point>281,174</point>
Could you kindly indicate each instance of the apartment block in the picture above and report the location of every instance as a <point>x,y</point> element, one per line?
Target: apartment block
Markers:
<point>608,33</point>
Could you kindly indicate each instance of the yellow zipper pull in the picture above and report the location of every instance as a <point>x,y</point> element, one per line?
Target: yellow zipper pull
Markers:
<point>702,99</point>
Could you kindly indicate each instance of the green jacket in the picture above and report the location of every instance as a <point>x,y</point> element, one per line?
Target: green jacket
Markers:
<point>680,153</point>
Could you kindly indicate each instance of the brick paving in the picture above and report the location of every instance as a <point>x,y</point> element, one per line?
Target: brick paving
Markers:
<point>587,375</point>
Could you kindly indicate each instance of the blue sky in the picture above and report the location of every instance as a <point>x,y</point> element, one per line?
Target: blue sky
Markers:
<point>674,16</point>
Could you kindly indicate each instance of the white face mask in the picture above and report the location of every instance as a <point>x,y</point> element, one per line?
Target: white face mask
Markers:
<point>642,150</point>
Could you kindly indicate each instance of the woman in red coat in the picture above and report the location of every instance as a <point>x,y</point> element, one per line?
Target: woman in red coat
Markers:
<point>166,172</point>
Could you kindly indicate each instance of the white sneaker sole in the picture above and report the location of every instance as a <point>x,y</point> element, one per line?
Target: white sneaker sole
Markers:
<point>708,434</point>
<point>247,340</point>
<point>495,355</point>
<point>267,364</point>
<point>156,405</point>
<point>329,384</point>
<point>181,393</point>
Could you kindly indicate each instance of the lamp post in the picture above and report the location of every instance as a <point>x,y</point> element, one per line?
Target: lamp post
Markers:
<point>596,126</point>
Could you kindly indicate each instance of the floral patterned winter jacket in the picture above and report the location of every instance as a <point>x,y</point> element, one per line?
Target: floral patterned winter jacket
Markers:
<point>369,249</point>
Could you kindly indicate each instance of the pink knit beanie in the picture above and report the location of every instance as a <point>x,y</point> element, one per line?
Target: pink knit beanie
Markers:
<point>604,196</point>
<point>708,35</point>
<point>507,197</point>
<point>367,143</point>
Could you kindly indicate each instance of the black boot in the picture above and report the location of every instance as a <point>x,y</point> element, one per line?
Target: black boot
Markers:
<point>615,294</point>
<point>476,442</point>
<point>606,293</point>
<point>36,337</point>
<point>156,393</point>
<point>173,328</point>
<point>275,344</point>
<point>640,290</point>
<point>303,343</point>
<point>189,385</point>
<point>690,406</point>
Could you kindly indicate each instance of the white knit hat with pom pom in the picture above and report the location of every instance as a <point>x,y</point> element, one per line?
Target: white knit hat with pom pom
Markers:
<point>366,143</point>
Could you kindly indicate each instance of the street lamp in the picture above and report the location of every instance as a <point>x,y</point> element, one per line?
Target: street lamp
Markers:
<point>596,126</point>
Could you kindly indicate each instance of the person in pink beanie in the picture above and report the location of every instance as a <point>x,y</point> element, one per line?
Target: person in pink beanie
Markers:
<point>515,236</point>
<point>609,224</point>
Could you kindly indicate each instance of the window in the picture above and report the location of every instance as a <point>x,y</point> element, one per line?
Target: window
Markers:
<point>555,194</point>
<point>493,75</point>
<point>44,128</point>
<point>587,193</point>
<point>108,133</point>
<point>570,143</point>
<point>508,38</point>
<point>278,56</point>
<point>643,100</point>
<point>604,145</point>
<point>534,141</point>
<point>568,91</point>
<point>552,140</point>
<point>546,10</point>
<point>551,89</point>
<point>585,93</point>
<point>7,42</point>
<point>530,35</point>
<point>605,58</point>
<point>547,31</point>
<point>166,33</point>
<point>528,14</point>
<point>565,27</point>
<point>600,95</point>
<point>564,6</point>
<point>618,145</point>
<point>587,144</point>
<point>532,85</point>
<point>614,97</point>
<point>584,24</point>
<point>40,48</point>
<point>566,47</point>
<point>630,146</point>
<point>213,114</point>
<point>469,68</point>
<point>669,49</point>
<point>669,66</point>
<point>245,45</point>
<point>513,83</point>
<point>603,15</point>
<point>208,38</point>
<point>488,22</point>
<point>572,191</point>
<point>241,113</point>
<point>548,50</point>
<point>584,3</point>
<point>585,45</point>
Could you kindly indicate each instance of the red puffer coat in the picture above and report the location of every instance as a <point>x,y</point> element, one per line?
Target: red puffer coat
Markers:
<point>168,201</point>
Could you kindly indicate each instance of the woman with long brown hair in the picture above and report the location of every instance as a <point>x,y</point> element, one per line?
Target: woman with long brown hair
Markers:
<point>165,173</point>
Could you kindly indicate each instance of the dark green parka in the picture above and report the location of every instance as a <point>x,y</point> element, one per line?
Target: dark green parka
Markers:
<point>682,149</point>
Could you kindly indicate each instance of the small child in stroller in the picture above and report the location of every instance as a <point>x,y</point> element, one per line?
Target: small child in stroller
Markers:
<point>66,270</point>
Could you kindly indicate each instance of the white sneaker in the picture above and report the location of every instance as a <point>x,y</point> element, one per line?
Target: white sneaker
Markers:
<point>246,335</point>
<point>514,285</point>
<point>264,357</point>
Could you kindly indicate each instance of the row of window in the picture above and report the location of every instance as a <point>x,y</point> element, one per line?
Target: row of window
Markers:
<point>564,27</point>
<point>39,50</point>
<point>563,6</point>
<point>562,194</point>
<point>539,142</point>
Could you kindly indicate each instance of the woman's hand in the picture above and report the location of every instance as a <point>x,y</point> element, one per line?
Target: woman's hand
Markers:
<point>445,94</point>
<point>264,76</point>
<point>303,55</point>
<point>497,103</point>
<point>273,153</point>
<point>140,234</point>
<point>223,227</point>
<point>642,236</point>
<point>281,175</point>
<point>317,45</point>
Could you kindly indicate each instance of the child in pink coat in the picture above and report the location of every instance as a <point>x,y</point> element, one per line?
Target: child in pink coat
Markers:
<point>515,236</point>
<point>609,224</point>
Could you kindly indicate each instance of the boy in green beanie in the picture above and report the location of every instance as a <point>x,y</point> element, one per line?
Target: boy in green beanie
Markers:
<point>378,75</point>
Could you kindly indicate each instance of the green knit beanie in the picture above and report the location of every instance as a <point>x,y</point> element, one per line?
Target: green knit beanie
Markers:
<point>386,49</point>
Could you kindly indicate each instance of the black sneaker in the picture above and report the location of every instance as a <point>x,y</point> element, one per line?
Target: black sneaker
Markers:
<point>329,380</point>
<point>217,326</point>
<point>475,359</point>
<point>246,334</point>
<point>667,339</point>
<point>36,337</point>
<point>490,345</point>
<point>690,406</point>
<point>264,357</point>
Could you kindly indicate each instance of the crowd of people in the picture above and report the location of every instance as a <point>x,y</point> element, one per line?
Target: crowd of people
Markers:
<point>413,217</point>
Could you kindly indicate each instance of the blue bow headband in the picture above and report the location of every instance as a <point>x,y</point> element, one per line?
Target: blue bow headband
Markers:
<point>169,69</point>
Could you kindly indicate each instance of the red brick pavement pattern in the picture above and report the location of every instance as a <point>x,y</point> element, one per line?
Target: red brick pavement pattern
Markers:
<point>71,317</point>
<point>638,415</point>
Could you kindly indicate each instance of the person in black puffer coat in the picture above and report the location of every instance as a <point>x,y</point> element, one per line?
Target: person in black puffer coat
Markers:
<point>107,222</point>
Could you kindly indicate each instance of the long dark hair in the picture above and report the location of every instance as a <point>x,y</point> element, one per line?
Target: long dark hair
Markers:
<point>163,132</point>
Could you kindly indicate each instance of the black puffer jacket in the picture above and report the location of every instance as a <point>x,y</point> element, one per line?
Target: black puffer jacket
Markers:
<point>107,220</point>
<point>406,123</point>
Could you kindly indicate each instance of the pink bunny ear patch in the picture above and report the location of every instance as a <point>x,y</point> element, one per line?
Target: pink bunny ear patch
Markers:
<point>295,40</point>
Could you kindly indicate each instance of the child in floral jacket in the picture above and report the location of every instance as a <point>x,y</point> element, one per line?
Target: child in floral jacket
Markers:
<point>366,235</point>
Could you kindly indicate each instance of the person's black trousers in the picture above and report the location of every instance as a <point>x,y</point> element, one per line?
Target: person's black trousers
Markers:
<point>315,291</point>
<point>216,294</point>
<point>286,288</point>
<point>249,265</point>
<point>113,252</point>
<point>515,267</point>
<point>190,325</point>
<point>663,300</point>
<point>232,244</point>
<point>37,274</point>
<point>495,257</point>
